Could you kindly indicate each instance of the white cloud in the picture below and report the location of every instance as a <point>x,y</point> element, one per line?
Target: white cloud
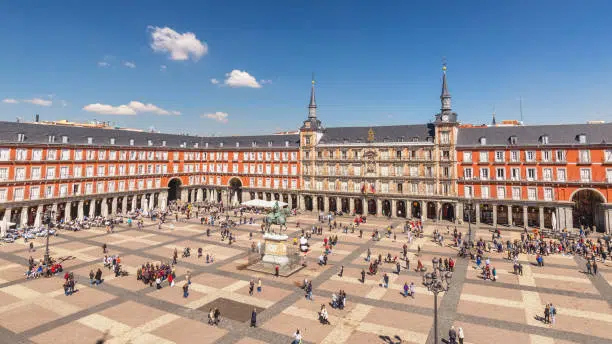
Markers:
<point>103,64</point>
<point>265,81</point>
<point>10,101</point>
<point>217,116</point>
<point>129,64</point>
<point>132,108</point>
<point>214,81</point>
<point>238,78</point>
<point>39,101</point>
<point>162,68</point>
<point>180,46</point>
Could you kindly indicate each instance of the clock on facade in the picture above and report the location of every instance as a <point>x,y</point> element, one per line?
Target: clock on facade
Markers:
<point>445,118</point>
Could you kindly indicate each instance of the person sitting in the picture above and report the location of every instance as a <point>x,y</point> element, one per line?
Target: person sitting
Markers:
<point>186,252</point>
<point>323,316</point>
<point>321,260</point>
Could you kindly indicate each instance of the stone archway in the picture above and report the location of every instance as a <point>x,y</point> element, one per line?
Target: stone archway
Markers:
<point>308,203</point>
<point>431,210</point>
<point>371,207</point>
<point>332,204</point>
<point>345,207</point>
<point>401,209</point>
<point>174,189</point>
<point>386,208</point>
<point>448,212</point>
<point>235,185</point>
<point>416,209</point>
<point>320,205</point>
<point>358,206</point>
<point>587,210</point>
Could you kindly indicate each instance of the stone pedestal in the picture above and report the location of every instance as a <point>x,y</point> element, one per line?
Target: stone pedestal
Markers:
<point>275,249</point>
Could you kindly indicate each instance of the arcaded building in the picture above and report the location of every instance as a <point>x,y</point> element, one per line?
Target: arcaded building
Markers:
<point>544,176</point>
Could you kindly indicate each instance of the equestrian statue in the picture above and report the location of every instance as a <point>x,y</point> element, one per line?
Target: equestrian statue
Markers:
<point>277,216</point>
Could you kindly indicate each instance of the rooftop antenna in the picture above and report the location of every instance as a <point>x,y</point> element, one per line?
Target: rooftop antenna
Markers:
<point>521,107</point>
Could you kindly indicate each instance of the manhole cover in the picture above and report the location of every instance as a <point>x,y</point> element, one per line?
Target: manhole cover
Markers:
<point>231,309</point>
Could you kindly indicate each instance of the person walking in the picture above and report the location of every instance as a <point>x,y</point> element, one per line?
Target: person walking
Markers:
<point>460,335</point>
<point>594,266</point>
<point>588,266</point>
<point>251,287</point>
<point>185,290</point>
<point>259,285</point>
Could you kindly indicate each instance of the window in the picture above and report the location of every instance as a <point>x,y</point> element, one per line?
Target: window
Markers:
<point>582,138</point>
<point>21,138</point>
<point>34,192</point>
<point>484,157</point>
<point>77,171</point>
<point>64,139</point>
<point>608,155</point>
<point>501,192</point>
<point>78,155</point>
<point>467,190</point>
<point>484,173</point>
<point>3,174</point>
<point>64,172</point>
<point>3,194</point>
<point>20,173</point>
<point>560,155</point>
<point>548,194</point>
<point>530,156</point>
<point>546,156</point>
<point>51,138</point>
<point>51,154</point>
<point>561,174</point>
<point>515,156</point>
<point>22,154</point>
<point>513,140</point>
<point>585,174</point>
<point>467,173</point>
<point>483,141</point>
<point>18,194</point>
<point>500,173</point>
<point>532,194</point>
<point>609,175</point>
<point>4,154</point>
<point>532,174</point>
<point>65,154</point>
<point>112,140</point>
<point>467,156</point>
<point>499,156</point>
<point>444,137</point>
<point>49,191</point>
<point>516,193</point>
<point>150,143</point>
<point>89,140</point>
<point>584,156</point>
<point>484,192</point>
<point>547,174</point>
<point>50,172</point>
<point>544,139</point>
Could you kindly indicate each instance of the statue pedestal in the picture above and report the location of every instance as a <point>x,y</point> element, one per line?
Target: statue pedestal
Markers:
<point>275,251</point>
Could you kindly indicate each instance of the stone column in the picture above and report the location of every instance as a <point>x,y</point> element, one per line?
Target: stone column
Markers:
<point>351,205</point>
<point>104,209</point>
<point>80,211</point>
<point>315,204</point>
<point>124,205</point>
<point>541,210</point>
<point>438,211</point>
<point>408,209</point>
<point>458,212</point>
<point>525,216</point>
<point>200,196</point>
<point>184,195</point>
<point>326,204</point>
<point>24,216</point>
<point>134,202</point>
<point>67,210</point>
<point>569,217</point>
<point>300,201</point>
<point>54,210</point>
<point>509,211</point>
<point>364,206</point>
<point>38,218</point>
<point>6,219</point>
<point>92,208</point>
<point>423,210</point>
<point>477,213</point>
<point>494,215</point>
<point>193,195</point>
<point>338,204</point>
<point>378,207</point>
<point>394,208</point>
<point>114,206</point>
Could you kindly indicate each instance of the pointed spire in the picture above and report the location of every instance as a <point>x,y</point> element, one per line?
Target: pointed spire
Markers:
<point>493,122</point>
<point>312,107</point>
<point>445,97</point>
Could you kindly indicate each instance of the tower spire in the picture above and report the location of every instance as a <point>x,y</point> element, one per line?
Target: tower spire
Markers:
<point>493,122</point>
<point>445,97</point>
<point>312,107</point>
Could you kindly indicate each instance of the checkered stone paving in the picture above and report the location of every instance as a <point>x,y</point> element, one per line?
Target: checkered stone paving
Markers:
<point>127,311</point>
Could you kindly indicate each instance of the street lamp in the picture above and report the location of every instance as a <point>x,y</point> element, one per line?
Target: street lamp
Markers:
<point>435,284</point>
<point>47,220</point>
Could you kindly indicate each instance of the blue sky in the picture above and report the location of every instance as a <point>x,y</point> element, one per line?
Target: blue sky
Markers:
<point>376,63</point>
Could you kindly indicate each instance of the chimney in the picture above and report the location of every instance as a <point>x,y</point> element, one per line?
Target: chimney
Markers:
<point>37,118</point>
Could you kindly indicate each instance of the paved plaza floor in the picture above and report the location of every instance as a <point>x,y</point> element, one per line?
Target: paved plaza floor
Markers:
<point>505,311</point>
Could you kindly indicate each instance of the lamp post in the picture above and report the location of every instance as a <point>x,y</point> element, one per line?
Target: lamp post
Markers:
<point>47,220</point>
<point>435,284</point>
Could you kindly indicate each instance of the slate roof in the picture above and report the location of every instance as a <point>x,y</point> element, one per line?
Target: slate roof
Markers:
<point>388,133</point>
<point>558,134</point>
<point>39,133</point>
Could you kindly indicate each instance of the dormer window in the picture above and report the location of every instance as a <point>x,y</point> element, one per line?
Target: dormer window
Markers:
<point>220,144</point>
<point>112,140</point>
<point>51,138</point>
<point>64,139</point>
<point>206,144</point>
<point>237,144</point>
<point>253,144</point>
<point>20,137</point>
<point>149,143</point>
<point>483,141</point>
<point>400,139</point>
<point>429,139</point>
<point>90,140</point>
<point>345,141</point>
<point>415,139</point>
<point>269,143</point>
<point>196,145</point>
<point>513,140</point>
<point>544,139</point>
<point>582,138</point>
<point>131,142</point>
<point>184,144</point>
<point>286,143</point>
<point>164,143</point>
